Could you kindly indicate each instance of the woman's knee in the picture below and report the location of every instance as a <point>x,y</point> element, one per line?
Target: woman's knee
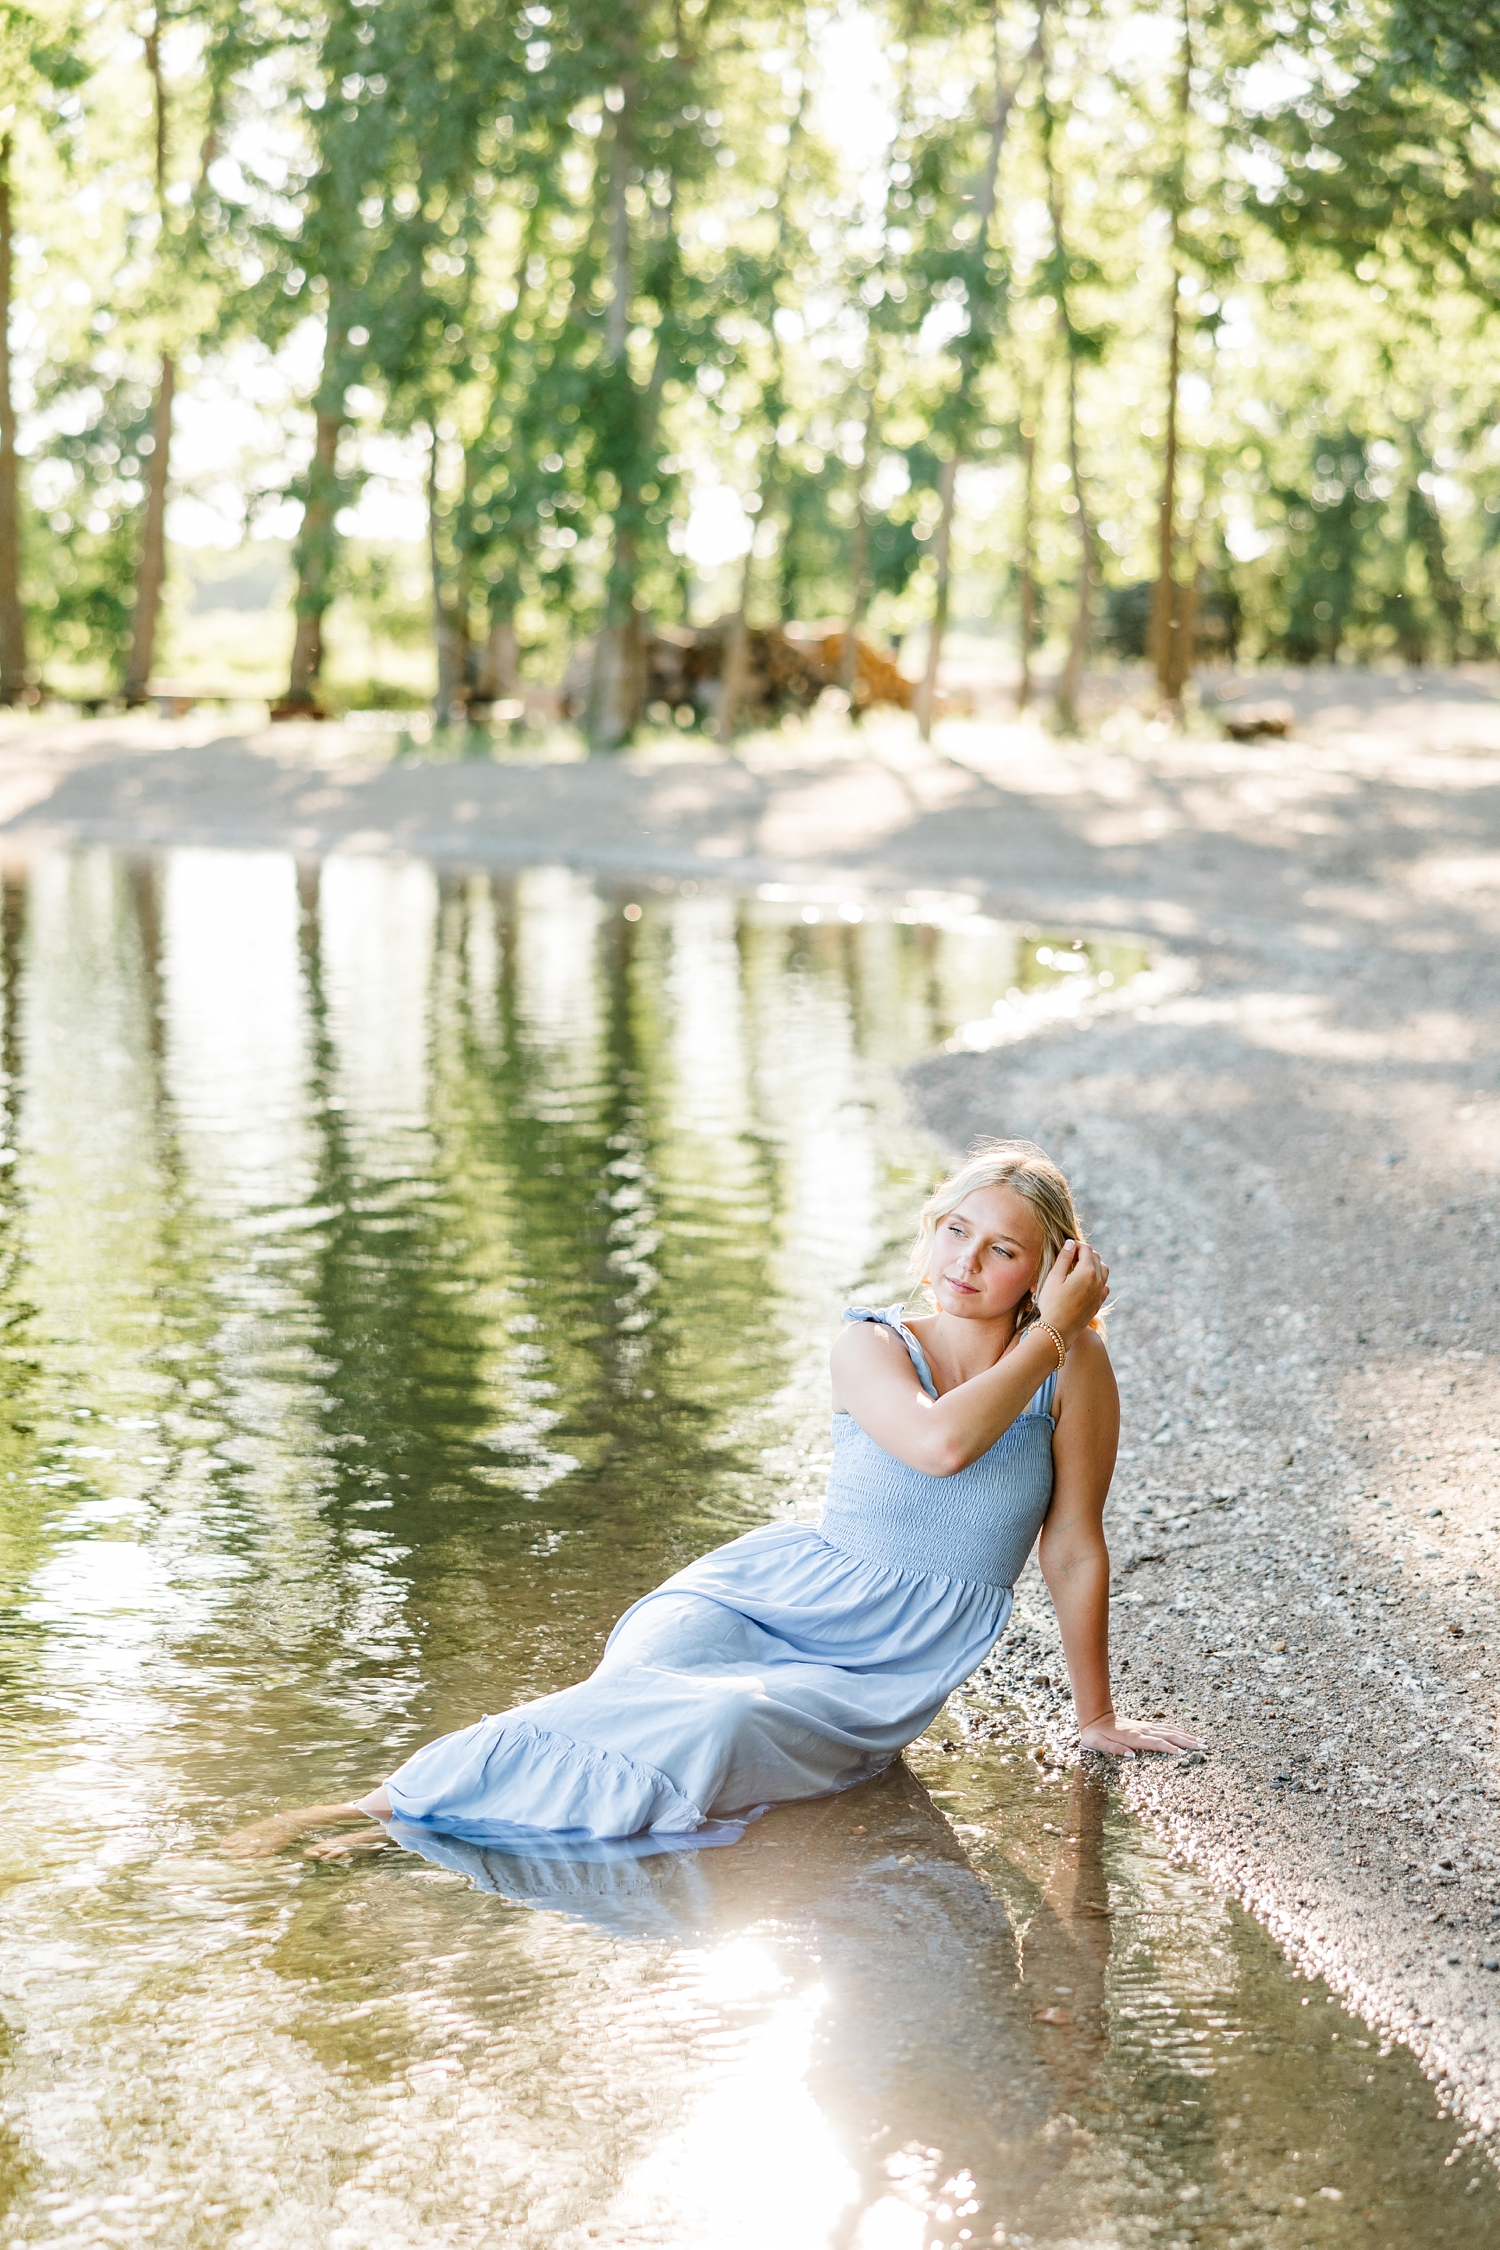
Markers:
<point>670,1629</point>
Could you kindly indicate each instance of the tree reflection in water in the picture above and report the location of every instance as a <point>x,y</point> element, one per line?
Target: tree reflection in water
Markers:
<point>399,1272</point>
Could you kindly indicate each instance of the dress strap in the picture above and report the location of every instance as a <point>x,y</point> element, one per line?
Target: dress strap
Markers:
<point>890,1318</point>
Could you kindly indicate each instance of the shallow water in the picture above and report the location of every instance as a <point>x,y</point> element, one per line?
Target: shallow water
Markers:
<point>398,1274</point>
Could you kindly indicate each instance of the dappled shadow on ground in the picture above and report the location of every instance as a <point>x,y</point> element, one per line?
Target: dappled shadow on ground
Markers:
<point>1293,1168</point>
<point>1187,838</point>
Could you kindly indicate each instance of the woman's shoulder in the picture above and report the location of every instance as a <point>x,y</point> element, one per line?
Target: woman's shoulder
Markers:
<point>869,1329</point>
<point>866,1339</point>
<point>1088,1373</point>
<point>1089,1349</point>
<point>863,1353</point>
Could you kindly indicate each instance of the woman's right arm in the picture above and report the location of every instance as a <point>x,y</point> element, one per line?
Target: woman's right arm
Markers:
<point>875,1381</point>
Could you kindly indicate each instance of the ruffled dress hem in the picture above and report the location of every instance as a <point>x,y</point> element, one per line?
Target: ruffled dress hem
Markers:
<point>544,1780</point>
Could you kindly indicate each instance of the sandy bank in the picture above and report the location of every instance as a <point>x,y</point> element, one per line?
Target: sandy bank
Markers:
<point>1294,1163</point>
<point>1297,1166</point>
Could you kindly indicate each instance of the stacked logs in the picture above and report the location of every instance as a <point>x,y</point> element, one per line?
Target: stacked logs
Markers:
<point>685,670</point>
<point>786,669</point>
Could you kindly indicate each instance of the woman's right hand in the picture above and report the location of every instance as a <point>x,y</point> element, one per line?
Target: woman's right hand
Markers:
<point>1074,1290</point>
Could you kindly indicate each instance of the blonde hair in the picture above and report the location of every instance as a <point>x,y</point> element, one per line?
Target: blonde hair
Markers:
<point>1029,1172</point>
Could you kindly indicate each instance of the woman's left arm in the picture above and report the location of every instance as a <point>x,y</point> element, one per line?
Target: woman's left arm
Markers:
<point>1075,1559</point>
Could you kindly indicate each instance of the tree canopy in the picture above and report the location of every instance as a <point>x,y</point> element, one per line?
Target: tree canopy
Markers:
<point>1164,330</point>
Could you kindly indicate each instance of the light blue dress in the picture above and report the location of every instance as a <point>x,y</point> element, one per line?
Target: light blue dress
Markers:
<point>788,1664</point>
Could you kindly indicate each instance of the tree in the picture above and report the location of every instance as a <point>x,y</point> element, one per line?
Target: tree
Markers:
<point>1079,346</point>
<point>1388,145</point>
<point>152,570</point>
<point>397,102</point>
<point>1171,636</point>
<point>570,265</point>
<point>41,68</point>
<point>13,672</point>
<point>631,403</point>
<point>329,260</point>
<point>983,295</point>
<point>513,533</point>
<point>764,284</point>
<point>663,71</point>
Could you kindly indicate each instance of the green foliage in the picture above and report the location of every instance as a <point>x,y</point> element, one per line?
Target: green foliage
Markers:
<point>589,261</point>
<point>1127,619</point>
<point>1334,535</point>
<point>82,596</point>
<point>42,61</point>
<point>381,695</point>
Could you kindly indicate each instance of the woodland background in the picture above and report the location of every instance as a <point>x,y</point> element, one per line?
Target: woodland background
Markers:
<point>394,352</point>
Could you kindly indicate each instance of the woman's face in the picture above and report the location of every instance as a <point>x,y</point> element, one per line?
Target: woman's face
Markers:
<point>985,1254</point>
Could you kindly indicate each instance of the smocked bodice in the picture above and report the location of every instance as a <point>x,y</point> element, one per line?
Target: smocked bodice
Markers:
<point>979,1524</point>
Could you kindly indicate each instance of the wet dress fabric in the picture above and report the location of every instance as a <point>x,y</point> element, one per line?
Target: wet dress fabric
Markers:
<point>793,1662</point>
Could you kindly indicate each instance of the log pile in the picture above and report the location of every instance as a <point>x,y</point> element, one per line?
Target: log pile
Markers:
<point>685,669</point>
<point>786,670</point>
<point>1251,722</point>
<point>877,677</point>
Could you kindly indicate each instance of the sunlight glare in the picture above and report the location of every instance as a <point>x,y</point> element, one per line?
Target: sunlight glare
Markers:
<point>718,529</point>
<point>891,2224</point>
<point>710,2182</point>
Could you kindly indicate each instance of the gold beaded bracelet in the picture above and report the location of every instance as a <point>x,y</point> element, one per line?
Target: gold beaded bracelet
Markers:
<point>1060,1346</point>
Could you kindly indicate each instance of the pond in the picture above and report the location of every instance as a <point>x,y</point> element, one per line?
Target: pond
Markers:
<point>400,1271</point>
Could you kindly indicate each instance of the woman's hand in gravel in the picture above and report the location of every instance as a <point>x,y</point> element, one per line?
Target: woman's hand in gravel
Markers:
<point>1076,1286</point>
<point>1122,1738</point>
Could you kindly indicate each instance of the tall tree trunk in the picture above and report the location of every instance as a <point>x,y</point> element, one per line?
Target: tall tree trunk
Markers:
<point>317,540</point>
<point>499,672</point>
<point>859,557</point>
<point>622,263</point>
<point>859,544</point>
<point>1070,686</point>
<point>859,550</point>
<point>1185,602</point>
<point>447,705</point>
<point>736,672</point>
<point>13,680</point>
<point>1171,629</point>
<point>151,571</point>
<point>617,685</point>
<point>1028,558</point>
<point>1425,526</point>
<point>470,651</point>
<point>617,681</point>
<point>942,545</point>
<point>735,675</point>
<point>1165,627</point>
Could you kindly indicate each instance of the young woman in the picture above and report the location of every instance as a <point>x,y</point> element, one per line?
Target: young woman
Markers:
<point>796,1660</point>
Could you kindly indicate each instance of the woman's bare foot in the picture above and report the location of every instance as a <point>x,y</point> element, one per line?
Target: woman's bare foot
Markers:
<point>344,1847</point>
<point>264,1837</point>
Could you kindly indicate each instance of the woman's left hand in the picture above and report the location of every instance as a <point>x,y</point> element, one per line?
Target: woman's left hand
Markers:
<point>1122,1738</point>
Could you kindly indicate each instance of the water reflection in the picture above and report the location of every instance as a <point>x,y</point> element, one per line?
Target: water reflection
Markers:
<point>398,1274</point>
<point>853,1981</point>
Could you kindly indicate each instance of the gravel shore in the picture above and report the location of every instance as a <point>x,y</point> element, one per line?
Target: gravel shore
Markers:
<point>1291,1155</point>
<point>1294,1166</point>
